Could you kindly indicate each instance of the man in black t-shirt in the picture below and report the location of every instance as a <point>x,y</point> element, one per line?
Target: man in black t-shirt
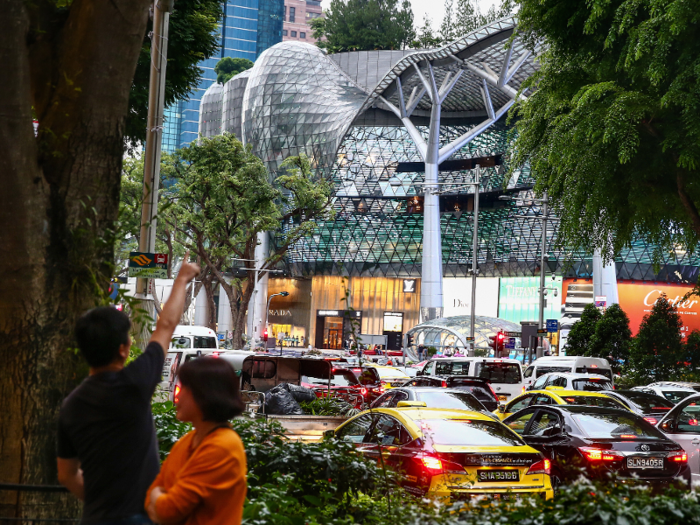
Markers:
<point>107,449</point>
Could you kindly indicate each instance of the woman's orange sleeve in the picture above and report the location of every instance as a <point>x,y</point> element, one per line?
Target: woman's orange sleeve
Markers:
<point>213,470</point>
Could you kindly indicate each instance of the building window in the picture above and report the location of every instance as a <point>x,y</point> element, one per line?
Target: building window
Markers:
<point>294,33</point>
<point>284,32</point>
<point>302,35</point>
<point>284,17</point>
<point>312,15</point>
<point>292,13</point>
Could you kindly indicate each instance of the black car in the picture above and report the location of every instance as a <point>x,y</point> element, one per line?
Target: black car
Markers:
<point>650,406</point>
<point>479,388</point>
<point>601,441</point>
<point>447,398</point>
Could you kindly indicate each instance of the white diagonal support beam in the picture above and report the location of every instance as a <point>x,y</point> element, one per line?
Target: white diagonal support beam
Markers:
<point>402,102</point>
<point>492,79</point>
<point>449,149</point>
<point>418,139</point>
<point>488,104</point>
<point>514,68</point>
<point>447,88</point>
<point>426,84</point>
<point>504,67</point>
<point>413,101</point>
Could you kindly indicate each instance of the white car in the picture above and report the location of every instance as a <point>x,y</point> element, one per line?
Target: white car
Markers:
<point>685,384</point>
<point>681,425</point>
<point>566,364</point>
<point>589,382</point>
<point>674,392</point>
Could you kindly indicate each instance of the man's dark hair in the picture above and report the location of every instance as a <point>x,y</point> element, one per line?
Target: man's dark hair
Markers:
<point>100,332</point>
<point>214,386</point>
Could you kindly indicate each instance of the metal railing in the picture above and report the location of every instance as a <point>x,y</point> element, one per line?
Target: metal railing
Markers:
<point>26,520</point>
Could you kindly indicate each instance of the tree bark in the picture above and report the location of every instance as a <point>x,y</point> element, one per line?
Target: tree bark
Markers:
<point>74,67</point>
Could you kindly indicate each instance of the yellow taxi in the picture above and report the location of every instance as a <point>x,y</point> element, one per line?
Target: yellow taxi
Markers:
<point>389,376</point>
<point>553,395</point>
<point>449,454</point>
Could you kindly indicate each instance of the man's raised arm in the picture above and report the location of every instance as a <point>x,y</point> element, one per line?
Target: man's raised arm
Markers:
<point>174,306</point>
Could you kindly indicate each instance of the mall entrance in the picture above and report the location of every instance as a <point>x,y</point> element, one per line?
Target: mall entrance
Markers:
<point>334,327</point>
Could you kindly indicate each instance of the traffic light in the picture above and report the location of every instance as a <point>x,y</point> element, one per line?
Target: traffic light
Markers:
<point>501,343</point>
<point>265,335</point>
<point>493,343</point>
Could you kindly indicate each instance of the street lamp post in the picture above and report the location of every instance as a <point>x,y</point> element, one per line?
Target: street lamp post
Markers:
<point>475,260</point>
<point>267,310</point>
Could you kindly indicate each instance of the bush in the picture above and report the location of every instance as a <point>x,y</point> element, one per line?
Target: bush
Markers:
<point>168,428</point>
<point>328,406</point>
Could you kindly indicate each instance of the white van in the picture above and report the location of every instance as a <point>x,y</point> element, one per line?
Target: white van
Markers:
<point>504,375</point>
<point>194,337</point>
<point>567,365</point>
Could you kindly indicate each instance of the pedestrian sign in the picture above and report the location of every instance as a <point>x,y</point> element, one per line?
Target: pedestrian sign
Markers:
<point>148,265</point>
<point>552,325</point>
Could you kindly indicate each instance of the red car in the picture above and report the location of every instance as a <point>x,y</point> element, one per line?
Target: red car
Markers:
<point>343,384</point>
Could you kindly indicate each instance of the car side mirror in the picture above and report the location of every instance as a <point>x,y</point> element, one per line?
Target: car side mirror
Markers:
<point>667,426</point>
<point>502,409</point>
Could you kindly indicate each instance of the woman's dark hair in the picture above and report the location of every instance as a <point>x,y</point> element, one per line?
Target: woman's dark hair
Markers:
<point>214,386</point>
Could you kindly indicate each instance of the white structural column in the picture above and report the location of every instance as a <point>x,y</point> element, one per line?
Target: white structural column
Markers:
<point>604,279</point>
<point>258,302</point>
<point>433,155</point>
<point>200,308</point>
<point>224,319</point>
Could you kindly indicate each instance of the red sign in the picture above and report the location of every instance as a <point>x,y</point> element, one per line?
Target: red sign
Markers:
<point>637,299</point>
<point>161,258</point>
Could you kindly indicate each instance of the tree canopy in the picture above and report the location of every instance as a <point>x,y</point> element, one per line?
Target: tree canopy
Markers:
<point>193,36</point>
<point>583,330</point>
<point>611,127</point>
<point>228,67</point>
<point>223,198</point>
<point>365,25</point>
<point>612,337</point>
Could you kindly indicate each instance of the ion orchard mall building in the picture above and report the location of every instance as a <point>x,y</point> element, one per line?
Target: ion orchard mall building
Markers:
<point>399,134</point>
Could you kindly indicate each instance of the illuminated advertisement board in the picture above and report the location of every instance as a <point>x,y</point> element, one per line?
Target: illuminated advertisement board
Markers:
<point>519,299</point>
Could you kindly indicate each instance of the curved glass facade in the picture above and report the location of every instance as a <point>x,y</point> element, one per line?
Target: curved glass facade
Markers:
<point>453,331</point>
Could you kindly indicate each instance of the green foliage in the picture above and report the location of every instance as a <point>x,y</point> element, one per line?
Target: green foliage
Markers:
<point>168,428</point>
<point>328,406</point>
<point>658,353</point>
<point>612,338</point>
<point>692,356</point>
<point>465,17</point>
<point>610,127</point>
<point>426,38</point>
<point>228,67</point>
<point>364,25</point>
<point>192,37</point>
<point>583,330</point>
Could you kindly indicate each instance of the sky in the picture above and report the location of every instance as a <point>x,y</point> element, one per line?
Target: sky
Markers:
<point>434,8</point>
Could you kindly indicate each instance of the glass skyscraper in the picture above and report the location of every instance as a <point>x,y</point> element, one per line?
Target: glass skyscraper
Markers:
<point>248,28</point>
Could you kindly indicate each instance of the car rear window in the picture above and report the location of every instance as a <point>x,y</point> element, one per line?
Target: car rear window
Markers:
<point>340,378</point>
<point>649,403</point>
<point>676,396</point>
<point>452,400</point>
<point>592,384</point>
<point>388,373</point>
<point>542,370</point>
<point>594,370</point>
<point>367,376</point>
<point>592,401</point>
<point>467,432</point>
<point>615,426</point>
<point>508,373</point>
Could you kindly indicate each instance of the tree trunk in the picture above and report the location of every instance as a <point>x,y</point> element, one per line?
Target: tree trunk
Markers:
<point>60,195</point>
<point>211,304</point>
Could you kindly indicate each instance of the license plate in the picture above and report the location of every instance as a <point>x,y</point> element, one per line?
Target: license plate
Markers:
<point>657,463</point>
<point>498,475</point>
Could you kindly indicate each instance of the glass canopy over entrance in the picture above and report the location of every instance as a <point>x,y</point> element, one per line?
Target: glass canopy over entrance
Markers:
<point>453,331</point>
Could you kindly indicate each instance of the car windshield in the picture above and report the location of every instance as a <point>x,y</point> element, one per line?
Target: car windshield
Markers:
<point>676,396</point>
<point>368,376</point>
<point>340,378</point>
<point>181,342</point>
<point>453,400</point>
<point>508,373</point>
<point>592,401</point>
<point>467,433</point>
<point>389,373</point>
<point>616,426</point>
<point>594,370</point>
<point>649,403</point>
<point>542,370</point>
<point>592,384</point>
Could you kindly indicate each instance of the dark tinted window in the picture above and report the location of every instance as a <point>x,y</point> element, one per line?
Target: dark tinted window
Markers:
<point>368,376</point>
<point>676,396</point>
<point>649,403</point>
<point>614,426</point>
<point>384,400</point>
<point>399,395</point>
<point>542,399</point>
<point>201,341</point>
<point>455,368</point>
<point>687,420</point>
<point>389,432</point>
<point>592,385</point>
<point>588,370</point>
<point>508,373</point>
<point>542,370</point>
<point>355,430</point>
<point>544,424</point>
<point>453,400</point>
<point>519,404</point>
<point>260,369</point>
<point>466,432</point>
<point>340,378</point>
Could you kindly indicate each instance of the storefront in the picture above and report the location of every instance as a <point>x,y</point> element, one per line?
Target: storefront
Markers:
<point>288,317</point>
<point>334,328</point>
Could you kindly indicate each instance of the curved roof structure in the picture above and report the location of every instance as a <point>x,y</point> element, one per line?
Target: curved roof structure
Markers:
<point>453,331</point>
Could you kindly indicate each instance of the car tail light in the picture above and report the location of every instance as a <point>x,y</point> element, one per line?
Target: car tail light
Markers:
<point>597,454</point>
<point>363,391</point>
<point>678,456</point>
<point>543,466</point>
<point>651,420</point>
<point>176,392</point>
<point>432,464</point>
<point>523,389</point>
<point>443,384</point>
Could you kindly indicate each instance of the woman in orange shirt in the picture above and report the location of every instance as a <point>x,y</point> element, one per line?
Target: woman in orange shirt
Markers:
<point>203,480</point>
